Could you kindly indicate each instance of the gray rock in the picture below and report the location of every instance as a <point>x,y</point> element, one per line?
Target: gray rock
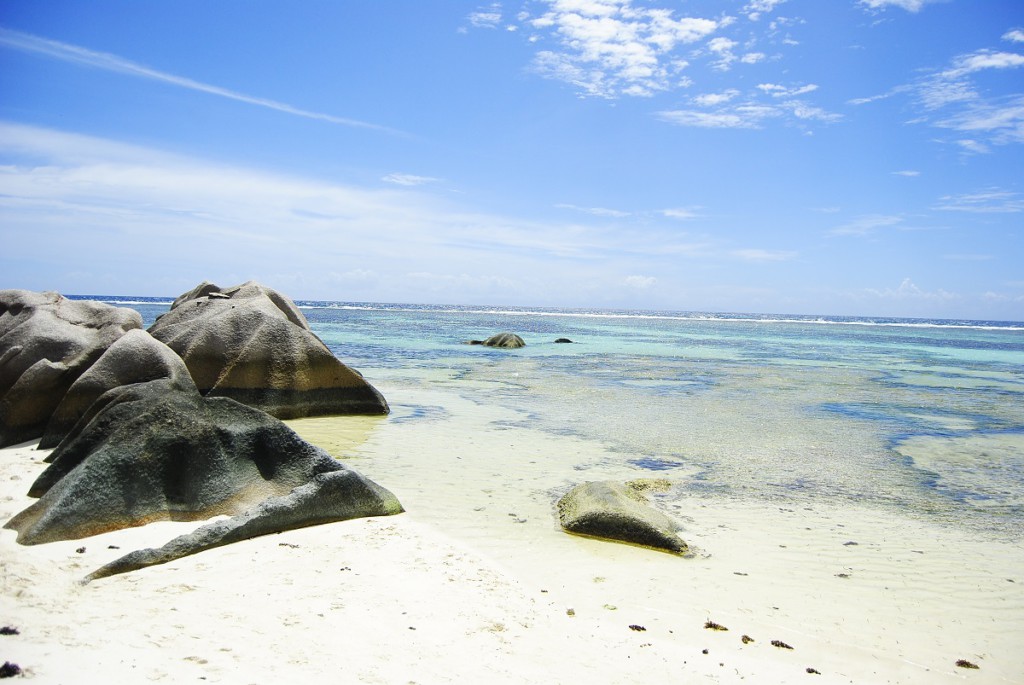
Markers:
<point>333,496</point>
<point>135,357</point>
<point>155,451</point>
<point>46,343</point>
<point>508,341</point>
<point>253,345</point>
<point>621,512</point>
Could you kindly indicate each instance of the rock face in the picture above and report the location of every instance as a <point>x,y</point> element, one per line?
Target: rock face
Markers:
<point>155,451</point>
<point>46,343</point>
<point>333,496</point>
<point>619,511</point>
<point>253,345</point>
<point>135,357</point>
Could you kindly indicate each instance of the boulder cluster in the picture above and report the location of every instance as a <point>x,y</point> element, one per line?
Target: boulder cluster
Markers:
<point>180,422</point>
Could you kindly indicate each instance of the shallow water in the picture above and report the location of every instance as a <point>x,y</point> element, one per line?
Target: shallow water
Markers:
<point>923,416</point>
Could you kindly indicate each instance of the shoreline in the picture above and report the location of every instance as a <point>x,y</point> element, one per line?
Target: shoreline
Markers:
<point>476,580</point>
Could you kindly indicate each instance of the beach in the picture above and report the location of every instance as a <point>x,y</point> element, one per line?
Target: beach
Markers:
<point>477,582</point>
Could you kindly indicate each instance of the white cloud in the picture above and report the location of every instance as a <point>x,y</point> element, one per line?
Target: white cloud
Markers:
<point>722,47</point>
<point>989,201</point>
<point>907,172</point>
<point>681,213</point>
<point>758,255</point>
<point>909,5</point>
<point>777,91</point>
<point>756,8</point>
<point>747,115</point>
<point>639,282</point>
<point>973,146</point>
<point>108,62</point>
<point>697,119</point>
<point>1014,36</point>
<point>1002,121</point>
<point>981,60</point>
<point>713,99</point>
<point>908,290</point>
<point>609,48</point>
<point>486,18</point>
<point>753,58</point>
<point>408,179</point>
<point>596,211</point>
<point>867,225</point>
<point>167,221</point>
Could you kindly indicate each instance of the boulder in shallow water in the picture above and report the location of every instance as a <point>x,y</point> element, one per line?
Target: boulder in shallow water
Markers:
<point>135,357</point>
<point>509,341</point>
<point>620,512</point>
<point>252,344</point>
<point>156,451</point>
<point>46,343</point>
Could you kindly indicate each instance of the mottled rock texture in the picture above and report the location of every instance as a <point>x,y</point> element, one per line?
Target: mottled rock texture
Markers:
<point>46,343</point>
<point>332,496</point>
<point>509,341</point>
<point>253,345</point>
<point>135,357</point>
<point>621,512</point>
<point>155,451</point>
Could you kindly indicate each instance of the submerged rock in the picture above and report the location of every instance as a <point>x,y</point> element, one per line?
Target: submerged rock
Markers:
<point>333,496</point>
<point>46,343</point>
<point>621,512</point>
<point>158,451</point>
<point>252,344</point>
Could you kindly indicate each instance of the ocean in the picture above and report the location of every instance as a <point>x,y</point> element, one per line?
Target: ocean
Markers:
<point>922,417</point>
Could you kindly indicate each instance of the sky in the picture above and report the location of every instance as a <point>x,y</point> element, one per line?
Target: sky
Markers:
<point>854,157</point>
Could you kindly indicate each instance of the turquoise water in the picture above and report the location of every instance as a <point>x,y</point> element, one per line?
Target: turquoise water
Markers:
<point>925,416</point>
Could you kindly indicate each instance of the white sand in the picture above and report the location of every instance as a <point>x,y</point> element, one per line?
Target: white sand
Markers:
<point>475,583</point>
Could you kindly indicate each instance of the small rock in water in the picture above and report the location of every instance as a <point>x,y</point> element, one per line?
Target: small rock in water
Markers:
<point>637,628</point>
<point>964,663</point>
<point>780,644</point>
<point>9,630</point>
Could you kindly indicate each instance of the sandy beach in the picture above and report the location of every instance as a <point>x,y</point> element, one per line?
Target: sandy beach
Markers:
<point>476,583</point>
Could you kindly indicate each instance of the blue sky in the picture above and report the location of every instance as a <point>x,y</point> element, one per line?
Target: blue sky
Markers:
<point>780,156</point>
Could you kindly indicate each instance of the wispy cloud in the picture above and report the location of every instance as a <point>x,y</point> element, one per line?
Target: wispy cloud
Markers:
<point>867,225</point>
<point>759,255</point>
<point>909,5</point>
<point>989,201</point>
<point>680,213</point>
<point>409,179</point>
<point>909,173</point>
<point>596,211</point>
<point>908,290</point>
<point>749,114</point>
<point>1014,36</point>
<point>777,91</point>
<point>639,282</point>
<point>611,48</point>
<point>487,18</point>
<point>74,54</point>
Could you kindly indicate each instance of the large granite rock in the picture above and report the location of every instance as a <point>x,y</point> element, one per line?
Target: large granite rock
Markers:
<point>333,496</point>
<point>135,357</point>
<point>155,451</point>
<point>253,345</point>
<point>621,512</point>
<point>46,343</point>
